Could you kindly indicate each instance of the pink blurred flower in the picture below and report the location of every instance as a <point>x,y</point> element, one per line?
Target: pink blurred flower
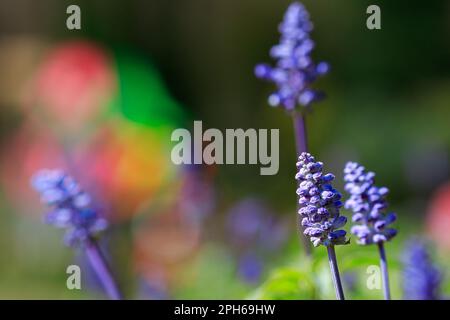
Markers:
<point>438,219</point>
<point>73,84</point>
<point>26,152</point>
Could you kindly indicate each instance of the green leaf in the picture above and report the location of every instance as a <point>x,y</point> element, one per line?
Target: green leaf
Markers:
<point>287,284</point>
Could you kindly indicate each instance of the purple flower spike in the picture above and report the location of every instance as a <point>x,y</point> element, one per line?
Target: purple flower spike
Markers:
<point>71,206</point>
<point>72,210</point>
<point>294,71</point>
<point>421,278</point>
<point>319,203</point>
<point>369,205</point>
<point>319,209</point>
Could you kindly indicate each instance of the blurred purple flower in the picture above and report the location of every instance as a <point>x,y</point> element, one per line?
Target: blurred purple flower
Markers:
<point>350,280</point>
<point>72,210</point>
<point>369,205</point>
<point>72,207</point>
<point>294,71</point>
<point>153,289</point>
<point>421,278</point>
<point>252,224</point>
<point>250,268</point>
<point>254,230</point>
<point>319,204</point>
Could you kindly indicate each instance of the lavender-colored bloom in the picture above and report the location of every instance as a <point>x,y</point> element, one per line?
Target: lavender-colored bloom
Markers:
<point>153,289</point>
<point>350,280</point>
<point>245,219</point>
<point>319,203</point>
<point>294,71</point>
<point>252,224</point>
<point>421,279</point>
<point>369,205</point>
<point>73,211</point>
<point>72,207</point>
<point>254,230</point>
<point>250,268</point>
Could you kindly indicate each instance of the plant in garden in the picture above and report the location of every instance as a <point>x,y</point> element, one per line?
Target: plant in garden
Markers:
<point>72,210</point>
<point>294,73</point>
<point>421,278</point>
<point>319,208</point>
<point>370,217</point>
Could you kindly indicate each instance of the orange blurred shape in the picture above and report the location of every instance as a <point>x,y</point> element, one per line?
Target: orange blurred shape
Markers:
<point>73,83</point>
<point>130,164</point>
<point>438,219</point>
<point>26,152</point>
<point>19,57</point>
<point>164,244</point>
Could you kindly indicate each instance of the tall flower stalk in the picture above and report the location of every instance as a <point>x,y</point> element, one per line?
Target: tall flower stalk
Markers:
<point>294,73</point>
<point>72,210</point>
<point>371,221</point>
<point>319,209</point>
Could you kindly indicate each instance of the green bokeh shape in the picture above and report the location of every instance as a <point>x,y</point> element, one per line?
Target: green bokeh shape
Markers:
<point>142,96</point>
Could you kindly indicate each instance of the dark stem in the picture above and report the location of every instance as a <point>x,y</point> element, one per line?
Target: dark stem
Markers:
<point>301,144</point>
<point>102,270</point>
<point>384,271</point>
<point>335,273</point>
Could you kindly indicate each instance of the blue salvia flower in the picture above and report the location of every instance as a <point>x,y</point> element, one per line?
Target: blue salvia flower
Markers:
<point>369,205</point>
<point>319,203</point>
<point>72,210</point>
<point>421,279</point>
<point>71,206</point>
<point>295,70</point>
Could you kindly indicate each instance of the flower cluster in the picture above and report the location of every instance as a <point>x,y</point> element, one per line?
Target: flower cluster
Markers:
<point>319,203</point>
<point>294,71</point>
<point>368,203</point>
<point>421,279</point>
<point>71,206</point>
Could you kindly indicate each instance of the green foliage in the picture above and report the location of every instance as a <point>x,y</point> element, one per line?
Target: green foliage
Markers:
<point>310,278</point>
<point>287,284</point>
<point>211,275</point>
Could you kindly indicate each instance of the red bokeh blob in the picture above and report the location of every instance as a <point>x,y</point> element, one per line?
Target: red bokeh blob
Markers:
<point>438,220</point>
<point>73,84</point>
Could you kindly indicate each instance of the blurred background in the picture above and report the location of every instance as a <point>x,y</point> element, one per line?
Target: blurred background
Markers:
<point>101,103</point>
